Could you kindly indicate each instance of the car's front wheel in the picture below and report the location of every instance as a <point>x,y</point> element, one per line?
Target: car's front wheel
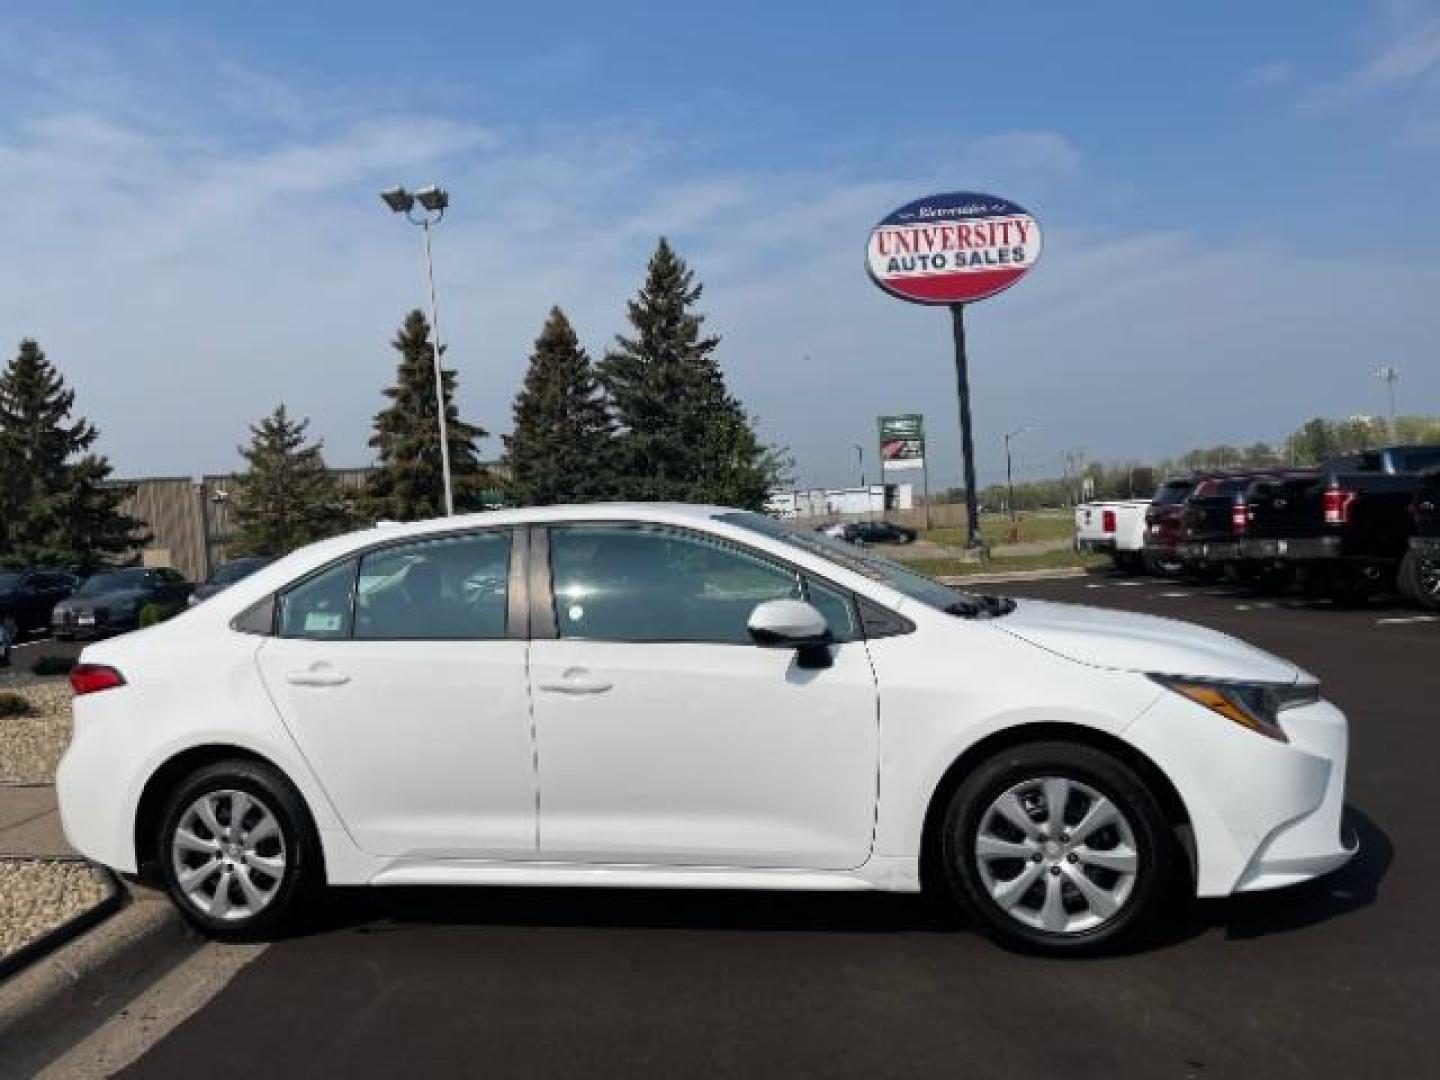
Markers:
<point>237,849</point>
<point>1057,847</point>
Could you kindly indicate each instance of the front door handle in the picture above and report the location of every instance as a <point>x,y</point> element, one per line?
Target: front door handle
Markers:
<point>575,681</point>
<point>320,675</point>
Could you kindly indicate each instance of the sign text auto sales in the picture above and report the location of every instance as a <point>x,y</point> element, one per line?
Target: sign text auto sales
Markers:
<point>906,249</point>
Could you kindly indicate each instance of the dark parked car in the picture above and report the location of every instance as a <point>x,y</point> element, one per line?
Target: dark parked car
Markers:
<point>1165,526</point>
<point>877,532</point>
<point>1217,522</point>
<point>227,574</point>
<point>1347,526</point>
<point>111,601</point>
<point>1420,569</point>
<point>26,599</point>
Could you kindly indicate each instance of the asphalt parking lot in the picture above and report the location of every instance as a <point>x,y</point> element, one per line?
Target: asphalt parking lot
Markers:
<point>1337,978</point>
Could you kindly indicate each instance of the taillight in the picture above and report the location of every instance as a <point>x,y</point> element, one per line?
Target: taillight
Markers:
<point>1239,517</point>
<point>1337,503</point>
<point>90,678</point>
<point>1107,521</point>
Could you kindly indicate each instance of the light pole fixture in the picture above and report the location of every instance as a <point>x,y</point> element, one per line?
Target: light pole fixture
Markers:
<point>433,202</point>
<point>1009,480</point>
<point>1389,376</point>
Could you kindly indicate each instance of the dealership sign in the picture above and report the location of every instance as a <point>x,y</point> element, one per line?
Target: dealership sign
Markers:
<point>902,442</point>
<point>953,249</point>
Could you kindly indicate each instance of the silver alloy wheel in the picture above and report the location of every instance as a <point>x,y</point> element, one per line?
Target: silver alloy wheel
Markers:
<point>1057,855</point>
<point>228,854</point>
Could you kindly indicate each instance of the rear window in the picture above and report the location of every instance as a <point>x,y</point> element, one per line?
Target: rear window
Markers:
<point>1173,493</point>
<point>1416,460</point>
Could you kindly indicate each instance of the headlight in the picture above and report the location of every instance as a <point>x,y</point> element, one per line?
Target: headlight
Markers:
<point>1256,706</point>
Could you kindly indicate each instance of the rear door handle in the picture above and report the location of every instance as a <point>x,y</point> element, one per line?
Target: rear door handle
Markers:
<point>317,676</point>
<point>575,681</point>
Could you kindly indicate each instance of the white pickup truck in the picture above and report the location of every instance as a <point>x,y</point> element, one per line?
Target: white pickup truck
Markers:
<point>1115,528</point>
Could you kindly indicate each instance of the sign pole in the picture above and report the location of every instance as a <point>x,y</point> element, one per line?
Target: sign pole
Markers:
<point>967,441</point>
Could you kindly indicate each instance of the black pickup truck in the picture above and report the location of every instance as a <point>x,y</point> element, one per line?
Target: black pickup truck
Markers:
<point>1217,522</point>
<point>1420,569</point>
<point>1347,526</point>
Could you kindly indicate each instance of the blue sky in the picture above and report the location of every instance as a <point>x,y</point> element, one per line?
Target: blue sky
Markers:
<point>1239,205</point>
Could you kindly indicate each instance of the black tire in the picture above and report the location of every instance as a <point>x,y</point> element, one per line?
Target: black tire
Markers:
<point>1419,580</point>
<point>303,864</point>
<point>1158,857</point>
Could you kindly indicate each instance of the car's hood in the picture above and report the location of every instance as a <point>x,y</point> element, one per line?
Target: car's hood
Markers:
<point>1127,642</point>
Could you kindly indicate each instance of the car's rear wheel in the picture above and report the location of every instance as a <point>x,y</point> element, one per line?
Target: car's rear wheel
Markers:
<point>237,849</point>
<point>1057,847</point>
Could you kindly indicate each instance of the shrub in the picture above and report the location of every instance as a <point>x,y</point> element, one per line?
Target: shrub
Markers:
<point>151,614</point>
<point>13,704</point>
<point>48,666</point>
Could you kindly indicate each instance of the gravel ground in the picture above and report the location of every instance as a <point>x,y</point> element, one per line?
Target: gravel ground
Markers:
<point>30,746</point>
<point>36,897</point>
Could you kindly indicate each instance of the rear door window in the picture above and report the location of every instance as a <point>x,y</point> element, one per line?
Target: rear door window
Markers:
<point>320,607</point>
<point>448,588</point>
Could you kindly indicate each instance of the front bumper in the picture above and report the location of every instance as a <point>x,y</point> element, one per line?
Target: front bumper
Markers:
<point>90,625</point>
<point>1264,813</point>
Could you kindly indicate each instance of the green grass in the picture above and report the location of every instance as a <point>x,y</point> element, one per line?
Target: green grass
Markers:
<point>1050,560</point>
<point>995,529</point>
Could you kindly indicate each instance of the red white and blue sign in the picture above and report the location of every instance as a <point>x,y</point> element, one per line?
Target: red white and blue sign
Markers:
<point>953,249</point>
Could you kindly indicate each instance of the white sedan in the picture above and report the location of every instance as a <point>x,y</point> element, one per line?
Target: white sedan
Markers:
<point>657,695</point>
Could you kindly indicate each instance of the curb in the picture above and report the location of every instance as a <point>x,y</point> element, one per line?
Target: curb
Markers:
<point>61,997</point>
<point>72,927</point>
<point>960,580</point>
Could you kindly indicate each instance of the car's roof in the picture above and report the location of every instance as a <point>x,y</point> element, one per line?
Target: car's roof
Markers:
<point>597,511</point>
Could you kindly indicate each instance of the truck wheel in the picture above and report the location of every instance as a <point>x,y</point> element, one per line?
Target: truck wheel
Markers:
<point>1420,580</point>
<point>9,632</point>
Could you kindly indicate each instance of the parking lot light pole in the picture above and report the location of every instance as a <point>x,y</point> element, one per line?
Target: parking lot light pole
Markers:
<point>1009,480</point>
<point>1389,376</point>
<point>433,201</point>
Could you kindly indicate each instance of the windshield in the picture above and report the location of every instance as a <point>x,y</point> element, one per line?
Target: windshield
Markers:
<point>109,582</point>
<point>232,572</point>
<point>916,586</point>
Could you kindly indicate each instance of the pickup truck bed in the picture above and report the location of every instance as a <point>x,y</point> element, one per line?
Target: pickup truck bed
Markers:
<point>1113,527</point>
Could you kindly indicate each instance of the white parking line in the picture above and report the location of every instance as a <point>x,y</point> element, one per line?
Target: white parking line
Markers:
<point>1242,607</point>
<point>1173,595</point>
<point>1128,584</point>
<point>1094,585</point>
<point>1407,619</point>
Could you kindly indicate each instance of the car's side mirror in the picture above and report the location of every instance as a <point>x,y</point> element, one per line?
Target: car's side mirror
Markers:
<point>792,624</point>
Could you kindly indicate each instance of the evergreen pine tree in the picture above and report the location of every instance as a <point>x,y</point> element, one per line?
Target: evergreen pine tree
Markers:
<point>409,483</point>
<point>57,506</point>
<point>286,498</point>
<point>561,448</point>
<point>682,435</point>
